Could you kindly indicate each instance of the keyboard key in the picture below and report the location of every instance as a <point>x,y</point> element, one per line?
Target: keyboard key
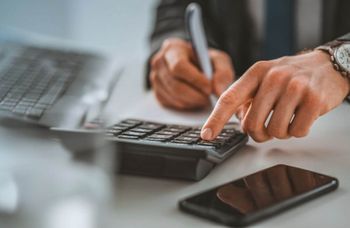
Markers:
<point>35,112</point>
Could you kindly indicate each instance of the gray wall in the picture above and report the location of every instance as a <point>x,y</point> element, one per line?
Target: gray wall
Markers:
<point>118,26</point>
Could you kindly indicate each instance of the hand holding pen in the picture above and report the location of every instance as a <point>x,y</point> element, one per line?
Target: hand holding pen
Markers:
<point>177,78</point>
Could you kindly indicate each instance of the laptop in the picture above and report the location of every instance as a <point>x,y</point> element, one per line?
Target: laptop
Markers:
<point>51,86</point>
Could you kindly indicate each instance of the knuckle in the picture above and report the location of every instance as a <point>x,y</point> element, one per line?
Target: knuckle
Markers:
<point>172,42</point>
<point>153,78</point>
<point>259,139</point>
<point>277,132</point>
<point>176,87</point>
<point>177,66</point>
<point>297,85</point>
<point>275,76</point>
<point>226,99</point>
<point>283,59</point>
<point>262,65</point>
<point>298,133</point>
<point>218,53</point>
<point>252,127</point>
<point>313,99</point>
<point>156,60</point>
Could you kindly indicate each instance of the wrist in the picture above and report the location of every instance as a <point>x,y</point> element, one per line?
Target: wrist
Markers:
<point>326,59</point>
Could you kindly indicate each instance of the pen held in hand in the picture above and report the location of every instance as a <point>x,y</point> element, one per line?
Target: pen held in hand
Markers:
<point>198,39</point>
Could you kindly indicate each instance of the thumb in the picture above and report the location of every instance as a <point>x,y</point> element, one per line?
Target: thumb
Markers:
<point>223,74</point>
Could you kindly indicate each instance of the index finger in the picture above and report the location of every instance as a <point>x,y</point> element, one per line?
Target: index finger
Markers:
<point>238,93</point>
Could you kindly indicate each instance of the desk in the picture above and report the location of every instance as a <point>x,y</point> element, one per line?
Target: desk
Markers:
<point>150,202</point>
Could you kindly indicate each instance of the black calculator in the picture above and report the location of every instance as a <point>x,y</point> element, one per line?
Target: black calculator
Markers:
<point>171,151</point>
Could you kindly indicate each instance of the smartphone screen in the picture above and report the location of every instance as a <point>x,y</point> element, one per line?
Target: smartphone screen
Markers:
<point>259,195</point>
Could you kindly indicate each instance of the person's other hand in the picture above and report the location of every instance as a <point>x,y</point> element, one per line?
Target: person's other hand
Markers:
<point>178,83</point>
<point>296,90</point>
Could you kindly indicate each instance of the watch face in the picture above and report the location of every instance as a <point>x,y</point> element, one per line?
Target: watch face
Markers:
<point>342,56</point>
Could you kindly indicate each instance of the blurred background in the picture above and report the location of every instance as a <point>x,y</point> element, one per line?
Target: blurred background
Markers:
<point>115,26</point>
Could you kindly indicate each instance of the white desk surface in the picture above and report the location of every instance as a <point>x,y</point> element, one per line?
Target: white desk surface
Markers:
<point>151,202</point>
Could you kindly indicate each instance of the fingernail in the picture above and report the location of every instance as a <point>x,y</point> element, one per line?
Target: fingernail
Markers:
<point>206,134</point>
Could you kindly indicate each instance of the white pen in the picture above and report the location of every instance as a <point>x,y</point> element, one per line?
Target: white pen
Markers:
<point>195,29</point>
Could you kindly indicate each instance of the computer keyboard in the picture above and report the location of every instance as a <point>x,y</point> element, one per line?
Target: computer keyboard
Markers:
<point>35,78</point>
<point>168,150</point>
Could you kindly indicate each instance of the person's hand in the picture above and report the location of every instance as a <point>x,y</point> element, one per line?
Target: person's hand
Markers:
<point>296,90</point>
<point>178,83</point>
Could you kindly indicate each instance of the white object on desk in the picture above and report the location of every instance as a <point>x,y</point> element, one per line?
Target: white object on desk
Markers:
<point>8,193</point>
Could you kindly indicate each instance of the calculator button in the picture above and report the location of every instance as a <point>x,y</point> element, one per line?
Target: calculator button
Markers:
<point>113,131</point>
<point>226,134</point>
<point>120,127</point>
<point>223,138</point>
<point>160,136</point>
<point>187,139</point>
<point>155,139</point>
<point>177,129</point>
<point>151,126</point>
<point>135,133</point>
<point>181,142</point>
<point>137,129</point>
<point>127,137</point>
<point>132,121</point>
<point>180,127</point>
<point>209,143</point>
<point>166,132</point>
<point>190,134</point>
<point>229,131</point>
<point>109,135</point>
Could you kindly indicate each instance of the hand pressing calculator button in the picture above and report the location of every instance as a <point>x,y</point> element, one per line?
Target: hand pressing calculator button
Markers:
<point>177,151</point>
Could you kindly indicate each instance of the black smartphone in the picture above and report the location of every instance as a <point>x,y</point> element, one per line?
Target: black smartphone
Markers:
<point>259,195</point>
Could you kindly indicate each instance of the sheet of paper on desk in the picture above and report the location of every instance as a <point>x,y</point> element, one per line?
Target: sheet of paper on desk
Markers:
<point>150,109</point>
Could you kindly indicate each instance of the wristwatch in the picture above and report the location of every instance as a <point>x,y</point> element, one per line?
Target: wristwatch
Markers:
<point>339,51</point>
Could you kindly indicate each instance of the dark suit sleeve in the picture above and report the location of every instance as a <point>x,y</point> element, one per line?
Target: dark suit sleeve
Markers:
<point>170,22</point>
<point>346,37</point>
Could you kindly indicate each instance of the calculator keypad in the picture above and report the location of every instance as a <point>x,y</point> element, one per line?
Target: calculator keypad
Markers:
<point>132,129</point>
